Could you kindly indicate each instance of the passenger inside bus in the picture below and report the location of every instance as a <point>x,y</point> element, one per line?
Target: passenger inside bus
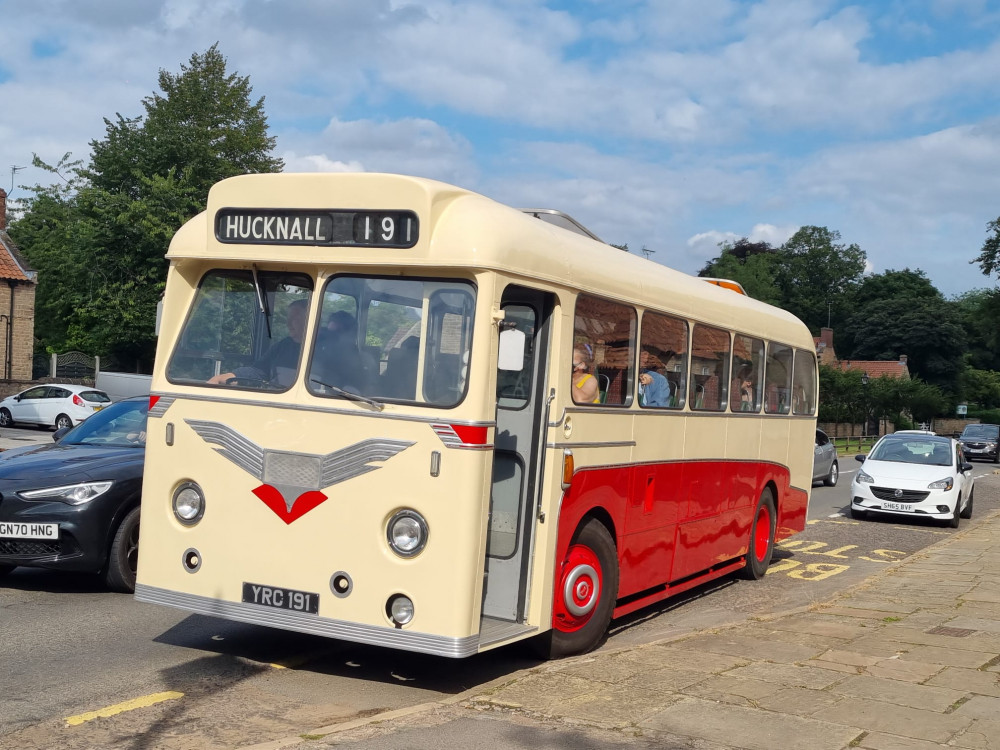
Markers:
<point>338,361</point>
<point>400,377</point>
<point>280,362</point>
<point>741,393</point>
<point>654,389</point>
<point>583,385</point>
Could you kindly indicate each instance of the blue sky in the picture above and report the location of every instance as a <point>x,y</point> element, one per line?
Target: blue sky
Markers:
<point>669,125</point>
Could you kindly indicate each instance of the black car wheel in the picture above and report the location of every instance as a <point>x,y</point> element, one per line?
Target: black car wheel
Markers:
<point>858,515</point>
<point>123,560</point>
<point>967,510</point>
<point>6,420</point>
<point>953,521</point>
<point>63,421</point>
<point>5,569</point>
<point>833,476</point>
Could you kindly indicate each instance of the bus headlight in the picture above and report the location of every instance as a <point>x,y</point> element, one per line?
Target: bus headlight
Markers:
<point>407,533</point>
<point>400,610</point>
<point>189,503</point>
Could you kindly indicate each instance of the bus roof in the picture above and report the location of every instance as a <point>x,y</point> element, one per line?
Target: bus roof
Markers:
<point>462,229</point>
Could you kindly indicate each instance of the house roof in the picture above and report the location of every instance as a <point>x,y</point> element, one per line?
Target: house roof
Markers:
<point>12,265</point>
<point>876,368</point>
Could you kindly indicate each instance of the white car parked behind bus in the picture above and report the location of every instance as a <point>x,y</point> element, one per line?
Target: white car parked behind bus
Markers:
<point>915,474</point>
<point>52,405</point>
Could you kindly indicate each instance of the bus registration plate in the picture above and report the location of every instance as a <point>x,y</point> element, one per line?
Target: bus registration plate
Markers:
<point>279,598</point>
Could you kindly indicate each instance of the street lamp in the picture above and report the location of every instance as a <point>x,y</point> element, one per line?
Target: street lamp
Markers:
<point>864,385</point>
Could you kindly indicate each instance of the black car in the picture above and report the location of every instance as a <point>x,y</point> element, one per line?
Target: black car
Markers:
<point>74,504</point>
<point>981,441</point>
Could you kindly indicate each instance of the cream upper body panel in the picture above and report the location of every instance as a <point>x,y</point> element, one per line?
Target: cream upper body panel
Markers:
<point>460,228</point>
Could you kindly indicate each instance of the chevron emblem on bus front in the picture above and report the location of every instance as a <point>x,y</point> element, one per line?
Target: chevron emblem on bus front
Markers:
<point>293,481</point>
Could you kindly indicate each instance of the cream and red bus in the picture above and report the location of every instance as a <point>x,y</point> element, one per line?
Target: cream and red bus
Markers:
<point>366,421</point>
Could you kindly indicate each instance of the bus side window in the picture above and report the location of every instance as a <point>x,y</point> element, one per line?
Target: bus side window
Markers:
<point>804,377</point>
<point>662,362</point>
<point>778,379</point>
<point>608,332</point>
<point>709,368</point>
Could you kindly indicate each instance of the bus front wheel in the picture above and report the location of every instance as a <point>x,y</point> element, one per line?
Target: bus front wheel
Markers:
<point>761,537</point>
<point>586,589</point>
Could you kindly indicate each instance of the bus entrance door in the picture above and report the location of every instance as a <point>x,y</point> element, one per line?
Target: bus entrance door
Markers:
<point>516,464</point>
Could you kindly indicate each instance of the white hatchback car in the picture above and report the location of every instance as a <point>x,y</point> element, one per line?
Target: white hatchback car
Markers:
<point>52,405</point>
<point>914,474</point>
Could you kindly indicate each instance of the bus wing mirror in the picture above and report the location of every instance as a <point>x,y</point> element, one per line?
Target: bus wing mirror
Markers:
<point>511,350</point>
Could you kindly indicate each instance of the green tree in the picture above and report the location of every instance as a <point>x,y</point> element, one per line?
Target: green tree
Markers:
<point>979,311</point>
<point>928,331</point>
<point>899,286</point>
<point>989,257</point>
<point>752,264</point>
<point>817,274</point>
<point>99,240</point>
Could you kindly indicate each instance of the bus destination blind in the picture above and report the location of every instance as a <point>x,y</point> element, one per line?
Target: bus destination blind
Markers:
<point>330,228</point>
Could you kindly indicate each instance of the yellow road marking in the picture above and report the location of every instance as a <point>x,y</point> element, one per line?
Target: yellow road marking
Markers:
<point>143,702</point>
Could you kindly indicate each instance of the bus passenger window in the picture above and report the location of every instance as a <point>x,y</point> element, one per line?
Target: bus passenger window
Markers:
<point>804,378</point>
<point>778,379</point>
<point>604,336</point>
<point>709,368</point>
<point>662,362</point>
<point>745,391</point>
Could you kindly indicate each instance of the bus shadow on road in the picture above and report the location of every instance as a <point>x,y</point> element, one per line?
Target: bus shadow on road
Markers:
<point>336,658</point>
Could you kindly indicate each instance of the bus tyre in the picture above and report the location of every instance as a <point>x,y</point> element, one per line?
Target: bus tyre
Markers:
<point>124,556</point>
<point>761,537</point>
<point>586,590</point>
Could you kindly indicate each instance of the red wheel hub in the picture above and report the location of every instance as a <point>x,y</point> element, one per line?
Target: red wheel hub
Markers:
<point>762,533</point>
<point>579,589</point>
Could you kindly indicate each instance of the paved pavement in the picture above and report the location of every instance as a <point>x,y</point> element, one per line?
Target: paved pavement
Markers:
<point>908,660</point>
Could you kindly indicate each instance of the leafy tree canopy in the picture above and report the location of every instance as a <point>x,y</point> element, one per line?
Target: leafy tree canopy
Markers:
<point>817,273</point>
<point>752,264</point>
<point>99,238</point>
<point>928,331</point>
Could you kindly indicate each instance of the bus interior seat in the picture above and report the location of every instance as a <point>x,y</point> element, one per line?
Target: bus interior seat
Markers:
<point>400,377</point>
<point>442,379</point>
<point>603,385</point>
<point>371,360</point>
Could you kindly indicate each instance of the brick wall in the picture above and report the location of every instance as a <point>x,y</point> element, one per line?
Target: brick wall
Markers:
<point>23,335</point>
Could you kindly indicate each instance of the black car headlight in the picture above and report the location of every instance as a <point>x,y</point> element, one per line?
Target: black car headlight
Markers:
<point>71,494</point>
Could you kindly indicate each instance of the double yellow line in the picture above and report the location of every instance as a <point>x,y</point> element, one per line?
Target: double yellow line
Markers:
<point>118,708</point>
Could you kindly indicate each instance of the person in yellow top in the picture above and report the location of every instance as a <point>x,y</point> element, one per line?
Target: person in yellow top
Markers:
<point>584,385</point>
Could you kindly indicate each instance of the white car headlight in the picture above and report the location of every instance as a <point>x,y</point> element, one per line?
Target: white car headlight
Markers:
<point>864,478</point>
<point>942,484</point>
<point>71,494</point>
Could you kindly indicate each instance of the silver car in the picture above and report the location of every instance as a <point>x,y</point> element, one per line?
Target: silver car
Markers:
<point>825,466</point>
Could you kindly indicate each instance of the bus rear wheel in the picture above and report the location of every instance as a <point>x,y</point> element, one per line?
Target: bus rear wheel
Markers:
<point>761,537</point>
<point>586,589</point>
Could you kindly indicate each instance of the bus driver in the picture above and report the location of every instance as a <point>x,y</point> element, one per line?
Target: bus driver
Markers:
<point>281,361</point>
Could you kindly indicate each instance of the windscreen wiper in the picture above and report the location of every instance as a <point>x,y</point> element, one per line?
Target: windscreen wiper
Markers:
<point>353,396</point>
<point>261,299</point>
